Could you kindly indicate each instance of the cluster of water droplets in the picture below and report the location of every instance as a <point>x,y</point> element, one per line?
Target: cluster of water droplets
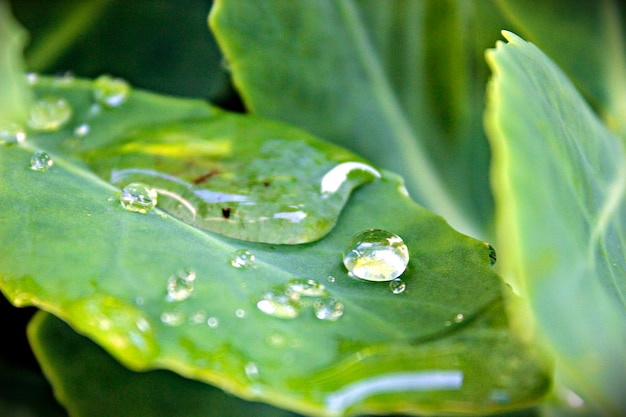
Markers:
<point>287,301</point>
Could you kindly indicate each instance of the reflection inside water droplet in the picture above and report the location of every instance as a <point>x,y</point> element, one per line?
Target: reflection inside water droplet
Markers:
<point>376,255</point>
<point>242,259</point>
<point>49,114</point>
<point>41,161</point>
<point>109,91</point>
<point>138,197</point>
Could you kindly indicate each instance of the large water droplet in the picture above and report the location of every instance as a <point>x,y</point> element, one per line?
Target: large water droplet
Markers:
<point>397,286</point>
<point>181,284</point>
<point>109,91</point>
<point>40,161</point>
<point>11,134</point>
<point>376,255</point>
<point>328,308</point>
<point>297,288</point>
<point>492,254</point>
<point>138,197</point>
<point>277,303</point>
<point>242,259</point>
<point>49,114</point>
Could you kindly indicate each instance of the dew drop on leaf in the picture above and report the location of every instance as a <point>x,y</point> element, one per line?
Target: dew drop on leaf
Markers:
<point>82,130</point>
<point>138,197</point>
<point>328,308</point>
<point>181,284</point>
<point>303,287</point>
<point>397,286</point>
<point>376,255</point>
<point>277,303</point>
<point>109,91</point>
<point>40,161</point>
<point>32,78</point>
<point>173,318</point>
<point>252,370</point>
<point>213,322</point>
<point>242,259</point>
<point>240,313</point>
<point>11,134</point>
<point>49,114</point>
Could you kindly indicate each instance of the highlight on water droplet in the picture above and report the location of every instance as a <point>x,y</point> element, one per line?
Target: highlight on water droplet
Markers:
<point>11,134</point>
<point>252,370</point>
<point>492,254</point>
<point>338,175</point>
<point>277,303</point>
<point>49,114</point>
<point>82,130</point>
<point>459,318</point>
<point>40,161</point>
<point>181,284</point>
<point>173,318</point>
<point>138,197</point>
<point>242,259</point>
<point>376,255</point>
<point>32,78</point>
<point>397,286</point>
<point>110,91</point>
<point>328,308</point>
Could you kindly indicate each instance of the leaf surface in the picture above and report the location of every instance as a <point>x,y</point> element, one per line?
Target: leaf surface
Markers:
<point>441,346</point>
<point>560,180</point>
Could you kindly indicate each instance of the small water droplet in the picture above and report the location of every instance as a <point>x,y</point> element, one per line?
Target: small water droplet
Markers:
<point>252,370</point>
<point>397,286</point>
<point>328,308</point>
<point>240,313</point>
<point>32,78</point>
<point>447,323</point>
<point>304,287</point>
<point>459,318</point>
<point>110,91</point>
<point>11,134</point>
<point>40,161</point>
<point>181,285</point>
<point>212,322</point>
<point>276,339</point>
<point>376,255</point>
<point>277,303</point>
<point>173,318</point>
<point>492,254</point>
<point>331,279</point>
<point>198,317</point>
<point>139,301</point>
<point>49,114</point>
<point>82,130</point>
<point>138,197</point>
<point>242,259</point>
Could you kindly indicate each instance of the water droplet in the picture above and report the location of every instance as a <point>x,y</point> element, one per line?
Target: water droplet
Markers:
<point>198,317</point>
<point>173,318</point>
<point>492,254</point>
<point>110,91</point>
<point>138,197</point>
<point>40,161</point>
<point>277,303</point>
<point>252,370</point>
<point>181,285</point>
<point>376,255</point>
<point>459,318</point>
<point>32,78</point>
<point>331,279</point>
<point>82,130</point>
<point>397,286</point>
<point>276,339</point>
<point>328,308</point>
<point>242,259</point>
<point>139,301</point>
<point>11,134</point>
<point>240,313</point>
<point>212,322</point>
<point>297,288</point>
<point>49,114</point>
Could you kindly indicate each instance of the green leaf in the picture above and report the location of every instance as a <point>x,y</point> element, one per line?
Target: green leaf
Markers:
<point>588,42</point>
<point>381,78</point>
<point>86,380</point>
<point>559,178</point>
<point>442,346</point>
<point>15,98</point>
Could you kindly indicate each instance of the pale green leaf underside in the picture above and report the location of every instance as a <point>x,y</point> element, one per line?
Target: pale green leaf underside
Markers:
<point>75,252</point>
<point>560,177</point>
